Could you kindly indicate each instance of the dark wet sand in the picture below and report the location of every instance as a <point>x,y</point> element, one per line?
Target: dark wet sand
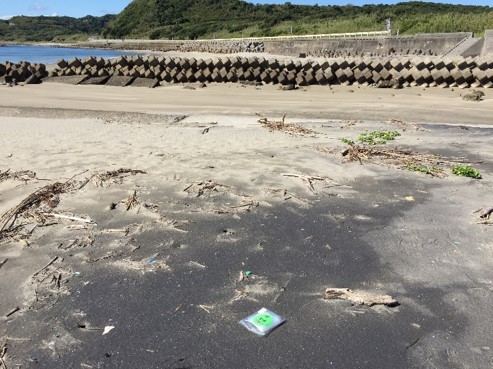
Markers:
<point>356,229</point>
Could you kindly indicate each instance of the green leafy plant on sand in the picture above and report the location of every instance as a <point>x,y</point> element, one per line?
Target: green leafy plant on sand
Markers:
<point>347,141</point>
<point>378,137</point>
<point>466,171</point>
<point>415,167</point>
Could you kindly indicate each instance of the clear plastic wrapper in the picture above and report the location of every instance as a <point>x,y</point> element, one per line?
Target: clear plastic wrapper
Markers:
<point>262,322</point>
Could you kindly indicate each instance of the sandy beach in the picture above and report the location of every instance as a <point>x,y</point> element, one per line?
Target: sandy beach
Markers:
<point>130,217</point>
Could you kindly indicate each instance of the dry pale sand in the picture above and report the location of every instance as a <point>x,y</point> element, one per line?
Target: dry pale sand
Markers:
<point>161,257</point>
<point>338,102</point>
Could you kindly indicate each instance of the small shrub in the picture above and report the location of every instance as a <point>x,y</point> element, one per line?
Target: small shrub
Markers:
<point>347,141</point>
<point>433,171</point>
<point>418,168</point>
<point>378,137</point>
<point>466,171</point>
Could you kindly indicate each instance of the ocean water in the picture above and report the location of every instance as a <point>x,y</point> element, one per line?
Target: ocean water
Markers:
<point>50,55</point>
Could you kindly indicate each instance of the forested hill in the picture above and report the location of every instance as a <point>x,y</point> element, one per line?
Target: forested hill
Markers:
<point>22,29</point>
<point>186,19</point>
<point>190,19</point>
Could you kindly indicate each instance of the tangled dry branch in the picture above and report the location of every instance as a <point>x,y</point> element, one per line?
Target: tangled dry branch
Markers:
<point>46,196</point>
<point>280,125</point>
<point>114,176</point>
<point>23,175</point>
<point>405,159</point>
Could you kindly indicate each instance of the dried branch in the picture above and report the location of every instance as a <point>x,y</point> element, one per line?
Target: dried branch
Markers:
<point>115,176</point>
<point>279,125</point>
<point>131,200</point>
<point>23,175</point>
<point>47,195</point>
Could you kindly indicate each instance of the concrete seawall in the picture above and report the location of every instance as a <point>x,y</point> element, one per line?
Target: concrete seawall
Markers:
<point>488,43</point>
<point>422,44</point>
<point>428,44</point>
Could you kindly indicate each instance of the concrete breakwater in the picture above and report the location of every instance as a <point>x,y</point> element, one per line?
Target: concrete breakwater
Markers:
<point>22,72</point>
<point>152,71</point>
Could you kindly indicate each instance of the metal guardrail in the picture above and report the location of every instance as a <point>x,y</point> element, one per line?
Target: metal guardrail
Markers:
<point>274,38</point>
<point>297,37</point>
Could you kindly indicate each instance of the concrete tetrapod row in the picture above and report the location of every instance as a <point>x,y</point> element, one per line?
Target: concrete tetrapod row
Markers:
<point>151,71</point>
<point>22,72</point>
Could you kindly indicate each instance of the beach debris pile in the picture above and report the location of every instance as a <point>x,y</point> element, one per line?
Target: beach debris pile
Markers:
<point>372,149</point>
<point>22,175</point>
<point>404,159</point>
<point>212,192</point>
<point>280,125</point>
<point>34,208</point>
<point>474,95</point>
<point>106,179</point>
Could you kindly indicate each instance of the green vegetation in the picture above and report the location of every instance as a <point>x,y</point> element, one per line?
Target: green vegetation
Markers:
<point>190,19</point>
<point>378,137</point>
<point>57,29</point>
<point>416,167</point>
<point>347,141</point>
<point>466,171</point>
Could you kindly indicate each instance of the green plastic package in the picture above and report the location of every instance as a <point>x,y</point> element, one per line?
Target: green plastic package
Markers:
<point>262,322</point>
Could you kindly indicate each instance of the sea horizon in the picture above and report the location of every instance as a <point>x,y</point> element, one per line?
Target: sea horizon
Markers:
<point>47,54</point>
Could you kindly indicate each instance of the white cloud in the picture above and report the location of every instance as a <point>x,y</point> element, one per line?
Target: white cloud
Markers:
<point>38,7</point>
<point>6,17</point>
<point>54,15</point>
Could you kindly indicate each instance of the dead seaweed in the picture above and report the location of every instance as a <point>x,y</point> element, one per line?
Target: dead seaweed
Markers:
<point>22,175</point>
<point>105,179</point>
<point>32,206</point>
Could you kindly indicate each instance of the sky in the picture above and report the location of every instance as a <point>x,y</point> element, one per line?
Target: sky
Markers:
<point>80,8</point>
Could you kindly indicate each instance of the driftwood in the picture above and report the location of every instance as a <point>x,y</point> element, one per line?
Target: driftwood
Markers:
<point>12,312</point>
<point>61,216</point>
<point>46,266</point>
<point>486,213</point>
<point>360,297</point>
<point>279,125</point>
<point>485,216</point>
